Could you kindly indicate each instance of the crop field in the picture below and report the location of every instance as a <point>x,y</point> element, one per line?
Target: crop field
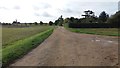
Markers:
<point>97,31</point>
<point>10,35</point>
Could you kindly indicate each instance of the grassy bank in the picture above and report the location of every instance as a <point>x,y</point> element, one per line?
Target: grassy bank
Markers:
<point>96,31</point>
<point>12,34</point>
<point>21,47</point>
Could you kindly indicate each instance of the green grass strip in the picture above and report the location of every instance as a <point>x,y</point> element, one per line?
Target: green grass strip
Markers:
<point>21,47</point>
<point>97,31</point>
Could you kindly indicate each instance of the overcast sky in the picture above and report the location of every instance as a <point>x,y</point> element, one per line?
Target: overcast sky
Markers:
<point>50,10</point>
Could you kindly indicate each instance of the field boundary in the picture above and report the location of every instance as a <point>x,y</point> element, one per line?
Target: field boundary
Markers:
<point>79,30</point>
<point>11,35</point>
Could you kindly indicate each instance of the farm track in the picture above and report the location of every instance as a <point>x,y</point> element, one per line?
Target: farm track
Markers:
<point>65,48</point>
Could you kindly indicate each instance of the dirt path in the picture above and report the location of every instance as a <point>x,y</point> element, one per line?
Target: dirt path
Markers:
<point>64,48</point>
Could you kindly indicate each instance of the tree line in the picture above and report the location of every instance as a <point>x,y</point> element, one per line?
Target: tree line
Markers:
<point>16,23</point>
<point>91,21</point>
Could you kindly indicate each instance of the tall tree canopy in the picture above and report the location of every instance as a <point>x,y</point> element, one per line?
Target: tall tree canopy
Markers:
<point>61,21</point>
<point>103,17</point>
<point>41,23</point>
<point>50,23</point>
<point>115,19</point>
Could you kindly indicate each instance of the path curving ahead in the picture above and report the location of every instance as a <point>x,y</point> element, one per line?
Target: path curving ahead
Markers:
<point>65,48</point>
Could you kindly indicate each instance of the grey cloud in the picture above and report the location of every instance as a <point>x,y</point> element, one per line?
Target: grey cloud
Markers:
<point>36,8</point>
<point>100,6</point>
<point>41,6</point>
<point>119,5</point>
<point>45,14</point>
<point>36,14</point>
<point>46,5</point>
<point>69,10</point>
<point>16,7</point>
<point>5,8</point>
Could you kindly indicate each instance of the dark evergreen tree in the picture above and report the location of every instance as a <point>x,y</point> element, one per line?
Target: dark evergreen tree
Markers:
<point>103,17</point>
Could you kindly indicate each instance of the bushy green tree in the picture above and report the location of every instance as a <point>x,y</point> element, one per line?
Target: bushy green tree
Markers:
<point>66,20</point>
<point>35,23</point>
<point>56,22</point>
<point>61,21</point>
<point>50,23</point>
<point>115,19</point>
<point>41,23</point>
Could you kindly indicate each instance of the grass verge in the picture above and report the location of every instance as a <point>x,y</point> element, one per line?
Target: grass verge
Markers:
<point>13,34</point>
<point>96,31</point>
<point>21,47</point>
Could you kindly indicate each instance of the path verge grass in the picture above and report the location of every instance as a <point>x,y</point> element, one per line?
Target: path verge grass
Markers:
<point>96,31</point>
<point>21,47</point>
<point>13,34</point>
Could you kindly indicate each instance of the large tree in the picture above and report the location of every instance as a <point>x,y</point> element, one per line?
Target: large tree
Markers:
<point>66,20</point>
<point>89,17</point>
<point>35,23</point>
<point>115,19</point>
<point>61,21</point>
<point>103,17</point>
<point>89,14</point>
<point>41,23</point>
<point>56,22</point>
<point>50,23</point>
